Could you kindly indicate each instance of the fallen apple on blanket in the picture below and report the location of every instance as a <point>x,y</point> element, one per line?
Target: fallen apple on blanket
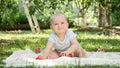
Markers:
<point>40,57</point>
<point>37,50</point>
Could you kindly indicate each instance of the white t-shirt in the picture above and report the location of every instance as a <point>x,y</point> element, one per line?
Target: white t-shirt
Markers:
<point>65,44</point>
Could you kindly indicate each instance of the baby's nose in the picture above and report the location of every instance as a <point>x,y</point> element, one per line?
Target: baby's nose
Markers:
<point>59,25</point>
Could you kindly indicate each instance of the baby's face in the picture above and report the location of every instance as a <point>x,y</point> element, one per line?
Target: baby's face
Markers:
<point>59,24</point>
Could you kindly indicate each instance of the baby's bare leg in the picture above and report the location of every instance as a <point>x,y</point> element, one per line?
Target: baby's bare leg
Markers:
<point>80,52</point>
<point>84,53</point>
<point>53,55</point>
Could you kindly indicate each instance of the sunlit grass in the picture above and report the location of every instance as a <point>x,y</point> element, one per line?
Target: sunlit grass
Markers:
<point>91,41</point>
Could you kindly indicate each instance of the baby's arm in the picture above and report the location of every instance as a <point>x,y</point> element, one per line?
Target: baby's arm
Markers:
<point>73,47</point>
<point>48,49</point>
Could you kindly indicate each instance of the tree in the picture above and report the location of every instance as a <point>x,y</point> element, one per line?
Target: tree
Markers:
<point>31,18</point>
<point>44,9</point>
<point>108,12</point>
<point>115,12</point>
<point>8,9</point>
<point>82,7</point>
<point>102,13</point>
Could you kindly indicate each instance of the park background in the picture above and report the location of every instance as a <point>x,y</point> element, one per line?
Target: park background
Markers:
<point>91,20</point>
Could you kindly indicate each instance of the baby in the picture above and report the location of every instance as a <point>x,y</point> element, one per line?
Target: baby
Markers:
<point>64,40</point>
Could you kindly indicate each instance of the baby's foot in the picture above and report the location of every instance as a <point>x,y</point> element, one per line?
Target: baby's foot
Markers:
<point>69,55</point>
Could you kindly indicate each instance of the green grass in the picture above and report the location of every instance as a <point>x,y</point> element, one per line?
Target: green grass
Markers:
<point>89,40</point>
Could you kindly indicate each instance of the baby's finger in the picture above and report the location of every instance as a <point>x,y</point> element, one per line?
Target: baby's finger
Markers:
<point>61,54</point>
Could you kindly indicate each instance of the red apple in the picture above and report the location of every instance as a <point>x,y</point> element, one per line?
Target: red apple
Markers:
<point>70,55</point>
<point>40,57</point>
<point>37,50</point>
<point>102,49</point>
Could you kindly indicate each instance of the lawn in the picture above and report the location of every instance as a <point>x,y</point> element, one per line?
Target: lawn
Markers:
<point>90,40</point>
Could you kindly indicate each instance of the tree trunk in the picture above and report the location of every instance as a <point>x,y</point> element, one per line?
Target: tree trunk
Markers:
<point>109,14</point>
<point>83,19</point>
<point>99,16</point>
<point>28,16</point>
<point>103,20</point>
<point>109,19</point>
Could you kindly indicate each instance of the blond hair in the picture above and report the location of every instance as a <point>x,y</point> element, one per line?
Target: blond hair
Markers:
<point>55,15</point>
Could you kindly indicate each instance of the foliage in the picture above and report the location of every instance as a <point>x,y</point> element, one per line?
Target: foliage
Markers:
<point>12,11</point>
<point>50,7</point>
<point>8,12</point>
<point>112,7</point>
<point>115,12</point>
<point>80,8</point>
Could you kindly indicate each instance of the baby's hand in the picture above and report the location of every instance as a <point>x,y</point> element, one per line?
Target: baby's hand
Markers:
<point>63,54</point>
<point>66,53</point>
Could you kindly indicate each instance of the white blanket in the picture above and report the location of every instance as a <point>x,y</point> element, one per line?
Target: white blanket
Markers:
<point>23,58</point>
